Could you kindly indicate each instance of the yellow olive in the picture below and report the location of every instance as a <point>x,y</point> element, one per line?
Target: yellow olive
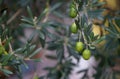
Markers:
<point>111,4</point>
<point>96,29</point>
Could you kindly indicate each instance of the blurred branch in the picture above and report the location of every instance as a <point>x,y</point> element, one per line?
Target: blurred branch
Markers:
<point>14,16</point>
<point>47,7</point>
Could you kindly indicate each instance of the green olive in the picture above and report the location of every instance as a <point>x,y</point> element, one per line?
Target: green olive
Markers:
<point>79,46</point>
<point>86,54</point>
<point>73,28</point>
<point>72,5</point>
<point>73,12</point>
<point>2,49</point>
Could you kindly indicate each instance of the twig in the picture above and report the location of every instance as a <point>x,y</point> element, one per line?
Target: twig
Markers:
<point>46,16</point>
<point>0,42</point>
<point>14,16</point>
<point>10,46</point>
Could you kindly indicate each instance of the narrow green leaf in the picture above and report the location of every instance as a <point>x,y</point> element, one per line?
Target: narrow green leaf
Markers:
<point>53,46</point>
<point>94,1</point>
<point>41,35</point>
<point>42,41</point>
<point>98,4</point>
<point>27,20</point>
<point>73,53</point>
<point>7,72</point>
<point>6,58</point>
<point>8,41</point>
<point>31,36</point>
<point>32,47</point>
<point>60,53</point>
<point>3,16</point>
<point>35,52</point>
<point>18,50</point>
<point>26,25</point>
<point>55,6</point>
<point>42,14</point>
<point>117,21</point>
<point>99,40</point>
<point>24,63</point>
<point>29,12</point>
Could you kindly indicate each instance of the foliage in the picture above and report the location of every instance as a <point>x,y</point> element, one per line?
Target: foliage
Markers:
<point>14,52</point>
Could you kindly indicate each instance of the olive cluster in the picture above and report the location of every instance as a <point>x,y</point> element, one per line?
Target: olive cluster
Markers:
<point>79,46</point>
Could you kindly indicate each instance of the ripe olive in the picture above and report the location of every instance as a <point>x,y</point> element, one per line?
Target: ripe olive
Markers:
<point>86,54</point>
